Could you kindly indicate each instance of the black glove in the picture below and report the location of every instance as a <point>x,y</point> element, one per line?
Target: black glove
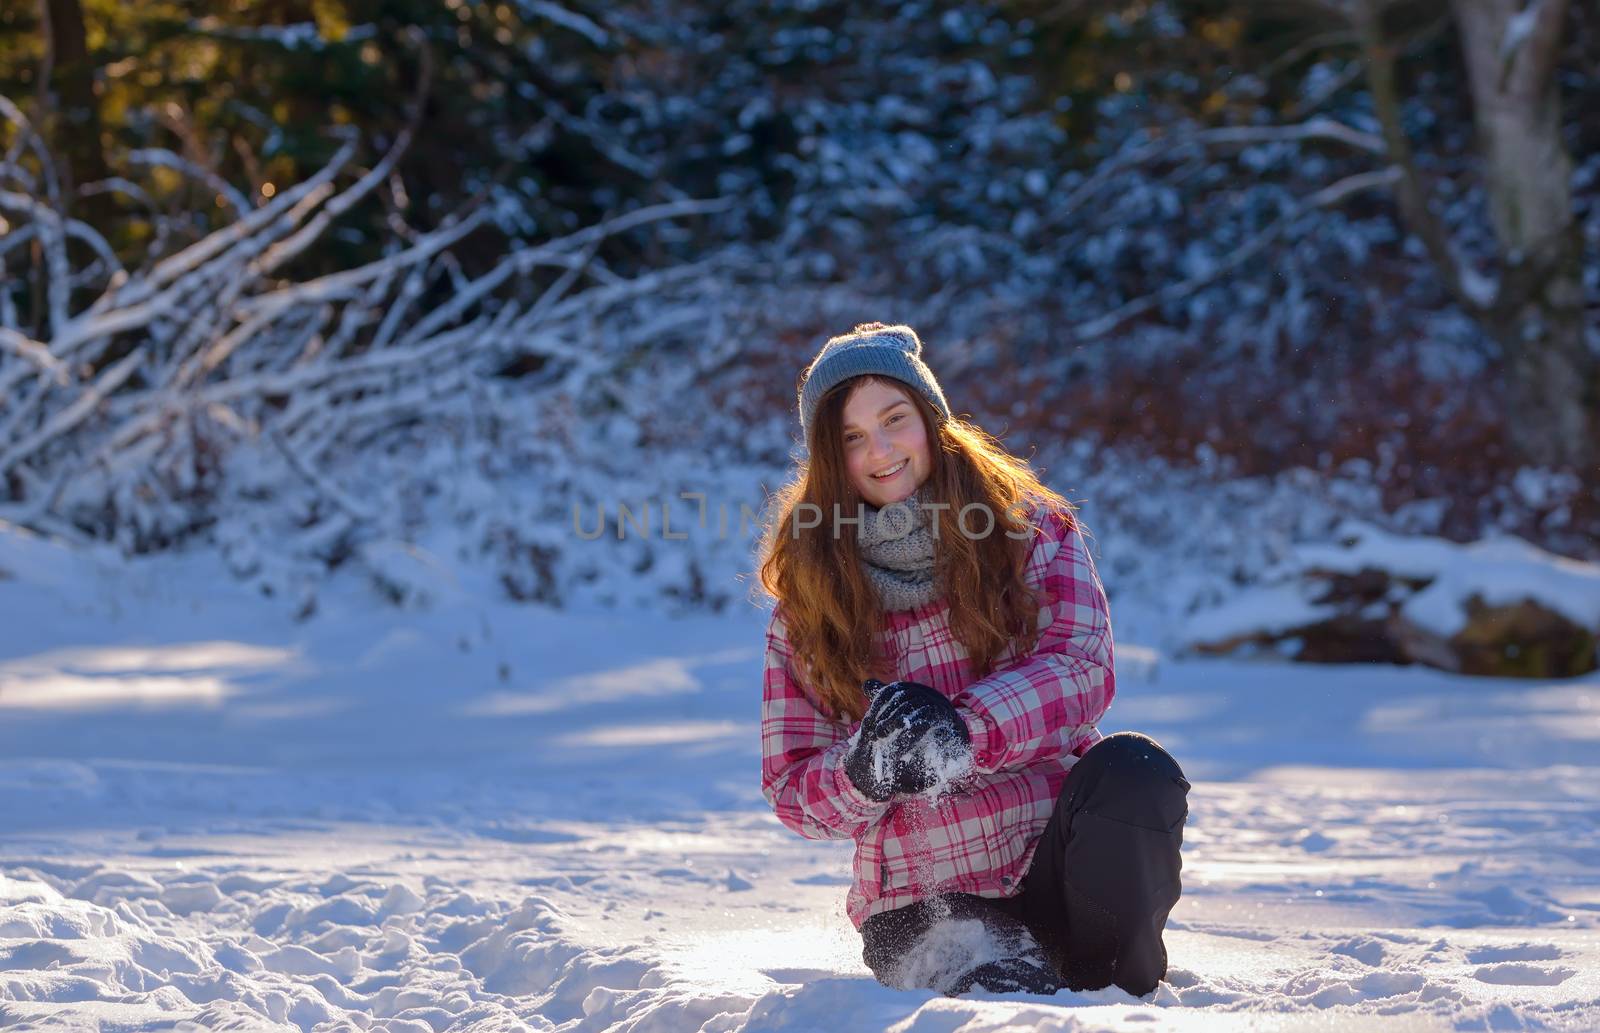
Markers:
<point>908,729</point>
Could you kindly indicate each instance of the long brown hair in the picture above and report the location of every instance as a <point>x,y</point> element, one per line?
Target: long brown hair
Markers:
<point>828,607</point>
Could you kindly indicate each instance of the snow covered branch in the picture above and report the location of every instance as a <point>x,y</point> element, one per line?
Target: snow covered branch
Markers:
<point>132,389</point>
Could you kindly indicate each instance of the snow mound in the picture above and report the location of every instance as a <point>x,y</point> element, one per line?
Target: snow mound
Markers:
<point>1500,571</point>
<point>1498,606</point>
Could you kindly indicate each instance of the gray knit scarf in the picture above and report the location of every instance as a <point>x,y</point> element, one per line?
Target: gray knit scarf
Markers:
<point>896,543</point>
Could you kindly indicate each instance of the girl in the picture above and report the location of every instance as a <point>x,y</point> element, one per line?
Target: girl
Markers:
<point>1001,842</point>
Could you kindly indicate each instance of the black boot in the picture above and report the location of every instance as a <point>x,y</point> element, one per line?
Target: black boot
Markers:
<point>921,944</point>
<point>1009,976</point>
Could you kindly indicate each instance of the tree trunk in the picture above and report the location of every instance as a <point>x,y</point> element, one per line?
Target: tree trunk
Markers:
<point>70,107</point>
<point>1553,408</point>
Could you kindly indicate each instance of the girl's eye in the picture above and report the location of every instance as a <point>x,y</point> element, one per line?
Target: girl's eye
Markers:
<point>850,439</point>
<point>897,417</point>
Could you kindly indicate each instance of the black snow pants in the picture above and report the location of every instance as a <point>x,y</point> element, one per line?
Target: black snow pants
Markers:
<point>1096,896</point>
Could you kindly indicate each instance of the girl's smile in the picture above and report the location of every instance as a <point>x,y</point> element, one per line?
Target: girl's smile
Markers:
<point>891,472</point>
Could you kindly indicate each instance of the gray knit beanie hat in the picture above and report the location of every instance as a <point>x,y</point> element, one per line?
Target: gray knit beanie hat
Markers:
<point>888,351</point>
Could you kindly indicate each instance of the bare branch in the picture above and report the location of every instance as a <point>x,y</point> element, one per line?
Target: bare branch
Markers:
<point>1414,44</point>
<point>52,236</point>
<point>1328,195</point>
<point>1231,136</point>
<point>1380,55</point>
<point>1314,129</point>
<point>28,137</point>
<point>117,185</point>
<point>163,158</point>
<point>1311,44</point>
<point>32,351</point>
<point>16,238</point>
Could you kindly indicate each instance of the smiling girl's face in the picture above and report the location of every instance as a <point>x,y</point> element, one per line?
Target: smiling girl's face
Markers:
<point>884,433</point>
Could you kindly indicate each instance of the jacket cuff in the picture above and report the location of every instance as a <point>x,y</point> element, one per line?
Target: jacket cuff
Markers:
<point>850,801</point>
<point>987,743</point>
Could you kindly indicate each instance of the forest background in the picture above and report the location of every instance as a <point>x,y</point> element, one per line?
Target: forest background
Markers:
<point>301,279</point>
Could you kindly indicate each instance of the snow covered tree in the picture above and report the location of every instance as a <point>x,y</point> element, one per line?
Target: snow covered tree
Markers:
<point>1532,300</point>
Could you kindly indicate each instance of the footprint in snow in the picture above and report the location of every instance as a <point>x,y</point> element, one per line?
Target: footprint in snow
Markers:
<point>1515,973</point>
<point>1363,948</point>
<point>1314,842</point>
<point>1515,952</point>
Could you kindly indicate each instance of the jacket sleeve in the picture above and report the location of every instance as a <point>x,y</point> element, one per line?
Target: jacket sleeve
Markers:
<point>1040,704</point>
<point>802,754</point>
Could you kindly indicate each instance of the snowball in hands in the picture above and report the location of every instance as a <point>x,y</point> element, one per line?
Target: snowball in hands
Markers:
<point>911,740</point>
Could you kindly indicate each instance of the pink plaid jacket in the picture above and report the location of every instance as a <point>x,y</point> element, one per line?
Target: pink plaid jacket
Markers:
<point>1030,721</point>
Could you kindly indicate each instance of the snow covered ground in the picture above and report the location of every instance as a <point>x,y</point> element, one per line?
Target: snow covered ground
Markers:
<point>497,817</point>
